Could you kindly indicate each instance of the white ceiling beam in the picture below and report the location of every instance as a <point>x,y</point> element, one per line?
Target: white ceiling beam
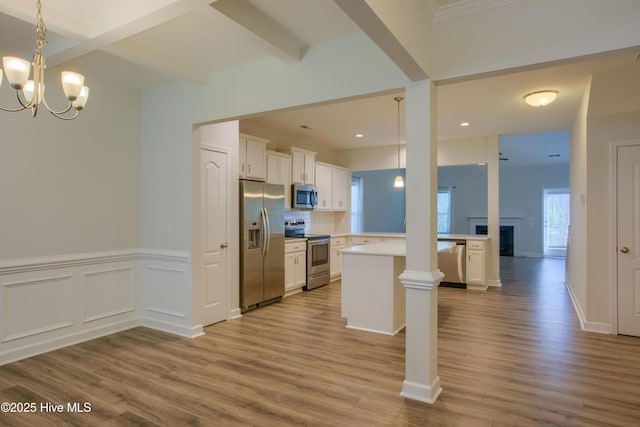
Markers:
<point>363,14</point>
<point>278,40</point>
<point>115,41</point>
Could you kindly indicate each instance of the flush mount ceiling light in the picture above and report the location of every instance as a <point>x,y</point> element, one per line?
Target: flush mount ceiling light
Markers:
<point>541,98</point>
<point>464,124</point>
<point>30,93</point>
<point>399,182</point>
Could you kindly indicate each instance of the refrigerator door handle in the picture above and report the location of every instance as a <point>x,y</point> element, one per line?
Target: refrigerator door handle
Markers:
<point>263,233</point>
<point>268,237</point>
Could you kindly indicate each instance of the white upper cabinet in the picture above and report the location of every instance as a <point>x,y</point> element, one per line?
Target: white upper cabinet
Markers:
<point>302,166</point>
<point>324,179</point>
<point>279,172</point>
<point>332,187</point>
<point>339,188</point>
<point>252,153</point>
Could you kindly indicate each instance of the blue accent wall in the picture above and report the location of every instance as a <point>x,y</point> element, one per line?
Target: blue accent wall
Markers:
<point>383,204</point>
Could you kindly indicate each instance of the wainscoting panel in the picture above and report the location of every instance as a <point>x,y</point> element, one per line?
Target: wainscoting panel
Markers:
<point>53,302</point>
<point>36,306</point>
<point>166,297</point>
<point>108,293</point>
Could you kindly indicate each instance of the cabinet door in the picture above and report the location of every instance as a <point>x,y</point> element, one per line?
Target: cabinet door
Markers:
<point>273,169</point>
<point>309,168</point>
<point>336,261</point>
<point>475,267</point>
<point>339,187</point>
<point>290,271</point>
<point>242,154</point>
<point>255,155</point>
<point>297,167</point>
<point>301,268</point>
<point>285,179</point>
<point>323,182</point>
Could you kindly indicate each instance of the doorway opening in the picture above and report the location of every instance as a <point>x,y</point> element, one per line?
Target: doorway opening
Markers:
<point>556,205</point>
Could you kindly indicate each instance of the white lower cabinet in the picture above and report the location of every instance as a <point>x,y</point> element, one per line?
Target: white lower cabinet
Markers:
<point>337,244</point>
<point>475,265</point>
<point>295,266</point>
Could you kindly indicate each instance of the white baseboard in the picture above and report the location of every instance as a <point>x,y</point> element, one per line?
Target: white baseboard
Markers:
<point>422,392</point>
<point>586,325</point>
<point>496,283</point>
<point>172,328</point>
<point>47,345</point>
<point>236,313</point>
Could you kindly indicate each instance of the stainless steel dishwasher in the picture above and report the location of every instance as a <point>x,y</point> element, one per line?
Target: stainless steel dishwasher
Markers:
<point>452,261</point>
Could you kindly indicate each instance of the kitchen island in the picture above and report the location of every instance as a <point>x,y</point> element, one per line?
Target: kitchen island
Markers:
<point>373,299</point>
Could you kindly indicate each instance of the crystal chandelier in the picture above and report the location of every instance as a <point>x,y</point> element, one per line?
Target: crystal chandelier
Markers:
<point>30,93</point>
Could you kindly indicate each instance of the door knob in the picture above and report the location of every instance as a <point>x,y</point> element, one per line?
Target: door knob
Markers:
<point>224,245</point>
<point>624,250</point>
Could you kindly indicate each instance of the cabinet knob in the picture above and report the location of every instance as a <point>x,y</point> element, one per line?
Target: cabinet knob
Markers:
<point>624,250</point>
<point>224,245</point>
<point>248,168</point>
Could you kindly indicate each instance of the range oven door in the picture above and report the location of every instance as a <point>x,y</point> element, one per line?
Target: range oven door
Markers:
<point>318,272</point>
<point>317,256</point>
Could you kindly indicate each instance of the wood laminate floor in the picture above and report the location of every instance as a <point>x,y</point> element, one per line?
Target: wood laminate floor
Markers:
<point>513,356</point>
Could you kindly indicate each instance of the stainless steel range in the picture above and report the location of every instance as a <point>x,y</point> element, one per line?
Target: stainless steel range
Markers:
<point>318,271</point>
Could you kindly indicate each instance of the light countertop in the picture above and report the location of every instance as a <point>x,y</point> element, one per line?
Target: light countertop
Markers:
<point>390,248</point>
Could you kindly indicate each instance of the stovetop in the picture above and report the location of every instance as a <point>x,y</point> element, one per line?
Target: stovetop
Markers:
<point>295,229</point>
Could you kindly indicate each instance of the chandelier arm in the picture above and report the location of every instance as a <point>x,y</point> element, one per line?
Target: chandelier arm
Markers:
<point>54,112</point>
<point>58,115</point>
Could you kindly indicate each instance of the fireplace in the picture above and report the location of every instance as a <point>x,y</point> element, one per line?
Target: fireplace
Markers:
<point>506,238</point>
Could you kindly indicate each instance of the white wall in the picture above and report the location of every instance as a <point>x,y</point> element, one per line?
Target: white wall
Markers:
<point>521,196</point>
<point>612,120</point>
<point>69,222</point>
<point>71,187</point>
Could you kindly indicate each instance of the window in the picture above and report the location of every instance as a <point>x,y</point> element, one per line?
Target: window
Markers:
<point>556,221</point>
<point>444,210</point>
<point>357,190</point>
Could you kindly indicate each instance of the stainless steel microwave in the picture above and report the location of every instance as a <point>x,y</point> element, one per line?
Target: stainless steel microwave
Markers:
<point>304,196</point>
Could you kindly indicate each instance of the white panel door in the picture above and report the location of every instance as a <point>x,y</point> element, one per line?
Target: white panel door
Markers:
<point>628,205</point>
<point>214,241</point>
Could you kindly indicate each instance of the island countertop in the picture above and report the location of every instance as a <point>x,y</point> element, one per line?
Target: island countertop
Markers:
<point>396,247</point>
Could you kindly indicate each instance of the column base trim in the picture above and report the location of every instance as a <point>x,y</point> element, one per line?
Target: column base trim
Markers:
<point>425,280</point>
<point>422,392</point>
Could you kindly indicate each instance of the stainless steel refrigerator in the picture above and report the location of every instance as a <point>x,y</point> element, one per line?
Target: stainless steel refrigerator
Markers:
<point>262,243</point>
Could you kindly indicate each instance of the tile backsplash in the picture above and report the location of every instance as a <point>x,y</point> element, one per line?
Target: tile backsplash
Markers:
<point>315,222</point>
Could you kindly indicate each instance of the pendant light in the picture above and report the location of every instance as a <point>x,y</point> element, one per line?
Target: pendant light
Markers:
<point>399,182</point>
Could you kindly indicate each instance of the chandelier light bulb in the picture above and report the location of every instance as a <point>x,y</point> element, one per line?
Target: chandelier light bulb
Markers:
<point>28,91</point>
<point>17,70</point>
<point>72,84</point>
<point>81,101</point>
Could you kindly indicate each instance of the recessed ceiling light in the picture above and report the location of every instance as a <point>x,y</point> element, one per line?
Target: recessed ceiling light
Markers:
<point>464,124</point>
<point>359,135</point>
